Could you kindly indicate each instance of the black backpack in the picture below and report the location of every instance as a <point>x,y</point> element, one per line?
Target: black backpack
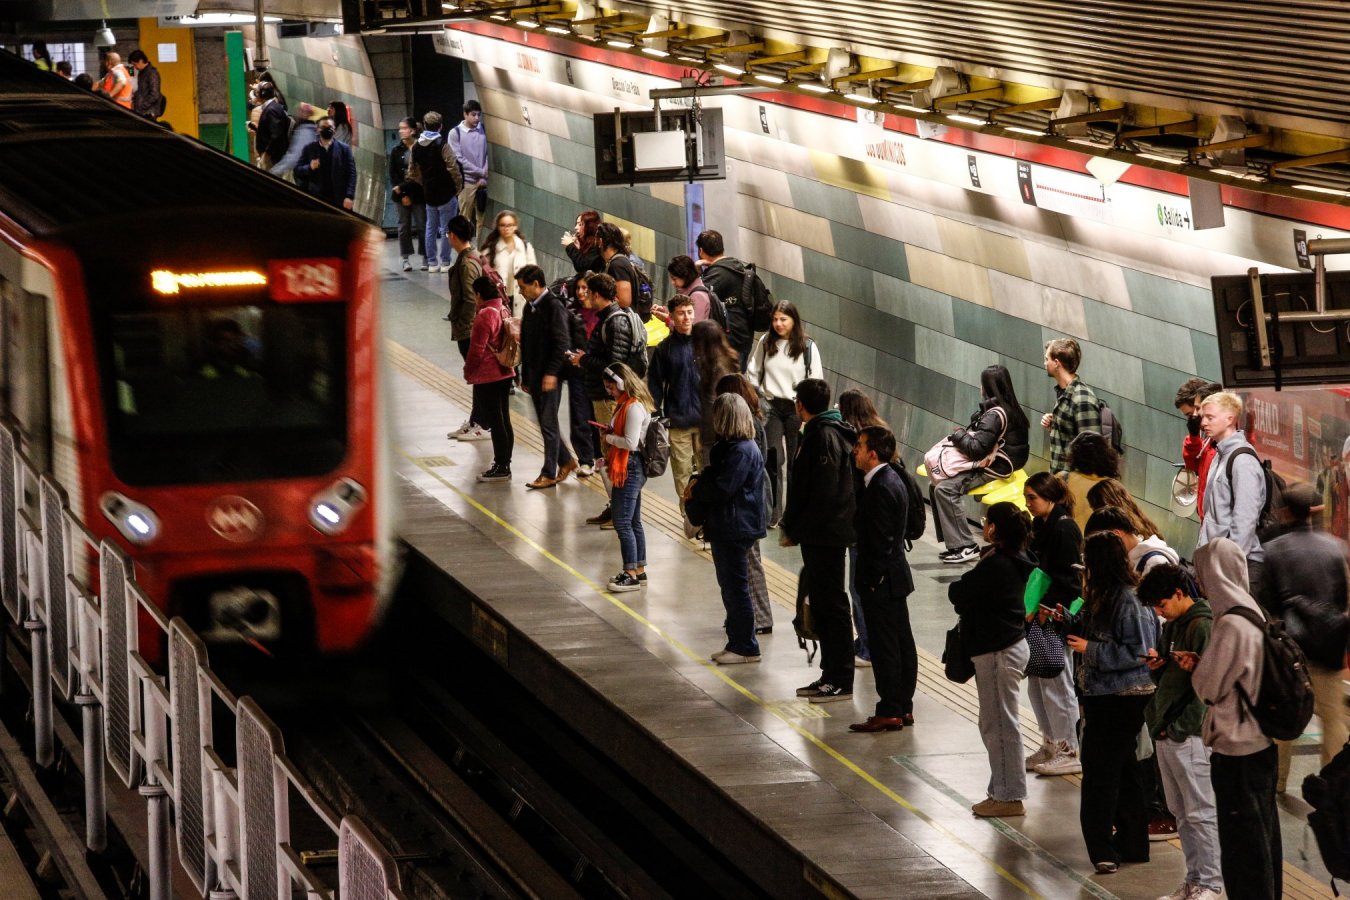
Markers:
<point>1283,705</point>
<point>655,447</point>
<point>803,622</point>
<point>1268,523</point>
<point>1112,429</point>
<point>916,519</point>
<point>1328,792</point>
<point>717,310</point>
<point>646,293</point>
<point>1192,581</point>
<point>755,299</point>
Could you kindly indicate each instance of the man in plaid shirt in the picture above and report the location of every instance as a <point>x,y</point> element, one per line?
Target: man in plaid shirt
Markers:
<point>1076,407</point>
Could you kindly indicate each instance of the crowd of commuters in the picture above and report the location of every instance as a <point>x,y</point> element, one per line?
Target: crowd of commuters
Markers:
<point>1123,646</point>
<point>135,87</point>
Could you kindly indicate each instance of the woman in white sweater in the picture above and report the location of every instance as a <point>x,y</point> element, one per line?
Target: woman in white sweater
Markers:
<point>784,357</point>
<point>624,469</point>
<point>507,252</point>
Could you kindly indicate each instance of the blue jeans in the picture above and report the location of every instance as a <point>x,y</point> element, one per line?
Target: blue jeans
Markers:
<point>626,503</point>
<point>859,620</point>
<point>730,559</point>
<point>436,236</point>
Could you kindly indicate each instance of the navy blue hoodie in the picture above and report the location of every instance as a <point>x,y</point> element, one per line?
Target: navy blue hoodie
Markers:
<point>673,381</point>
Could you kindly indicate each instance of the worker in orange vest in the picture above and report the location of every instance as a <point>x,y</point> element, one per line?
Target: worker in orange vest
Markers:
<point>116,84</point>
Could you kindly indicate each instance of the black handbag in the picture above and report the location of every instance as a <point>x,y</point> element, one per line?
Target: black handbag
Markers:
<point>956,662</point>
<point>1047,650</point>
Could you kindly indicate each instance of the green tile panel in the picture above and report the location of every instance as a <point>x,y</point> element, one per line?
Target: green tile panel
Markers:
<point>950,356</point>
<point>1139,336</point>
<point>997,332</point>
<point>880,253</point>
<point>1206,350</point>
<point>838,276</point>
<point>918,304</point>
<point>888,333</point>
<point>1171,301</point>
<point>1160,385</point>
<point>1113,371</point>
<point>836,204</point>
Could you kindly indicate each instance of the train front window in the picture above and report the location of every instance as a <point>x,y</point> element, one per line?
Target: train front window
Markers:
<point>240,393</point>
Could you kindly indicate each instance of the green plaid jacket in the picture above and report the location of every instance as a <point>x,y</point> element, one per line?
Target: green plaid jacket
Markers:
<point>1075,410</point>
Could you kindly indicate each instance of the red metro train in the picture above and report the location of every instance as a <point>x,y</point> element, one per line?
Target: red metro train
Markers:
<point>190,347</point>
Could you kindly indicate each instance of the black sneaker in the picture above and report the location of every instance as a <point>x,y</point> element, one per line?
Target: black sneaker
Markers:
<point>642,577</point>
<point>828,693</point>
<point>496,473</point>
<point>604,516</point>
<point>624,582</point>
<point>811,689</point>
<point>960,555</point>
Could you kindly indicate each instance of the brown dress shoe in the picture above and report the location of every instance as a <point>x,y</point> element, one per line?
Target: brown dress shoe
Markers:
<point>543,481</point>
<point>567,469</point>
<point>878,723</point>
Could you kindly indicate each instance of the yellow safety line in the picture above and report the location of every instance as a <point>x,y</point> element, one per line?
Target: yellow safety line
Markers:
<point>728,680</point>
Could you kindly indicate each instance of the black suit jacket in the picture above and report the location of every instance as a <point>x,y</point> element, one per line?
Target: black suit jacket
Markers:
<point>883,509</point>
<point>545,334</point>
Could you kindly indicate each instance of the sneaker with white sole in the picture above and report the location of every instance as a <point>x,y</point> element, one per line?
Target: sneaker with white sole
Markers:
<point>1182,893</point>
<point>463,429</point>
<point>1064,762</point>
<point>960,555</point>
<point>496,473</point>
<point>811,689</point>
<point>1200,892</point>
<point>476,433</point>
<point>828,693</point>
<point>585,470</point>
<point>424,267</point>
<point>1045,754</point>
<point>732,658</point>
<point>407,266</point>
<point>623,582</point>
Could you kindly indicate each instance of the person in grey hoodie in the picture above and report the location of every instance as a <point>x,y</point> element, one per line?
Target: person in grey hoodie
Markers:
<point>1243,763</point>
<point>1232,508</point>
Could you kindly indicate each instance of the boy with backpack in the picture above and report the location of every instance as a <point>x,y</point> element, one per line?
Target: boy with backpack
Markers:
<point>1174,715</point>
<point>749,305</point>
<point>1243,760</point>
<point>1235,490</point>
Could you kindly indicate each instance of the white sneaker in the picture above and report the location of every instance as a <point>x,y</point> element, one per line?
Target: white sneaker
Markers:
<point>731,658</point>
<point>1199,892</point>
<point>407,266</point>
<point>585,470</point>
<point>1064,762</point>
<point>1045,754</point>
<point>476,433</point>
<point>460,431</point>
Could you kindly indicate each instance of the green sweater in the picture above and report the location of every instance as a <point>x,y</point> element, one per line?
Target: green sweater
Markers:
<point>1174,705</point>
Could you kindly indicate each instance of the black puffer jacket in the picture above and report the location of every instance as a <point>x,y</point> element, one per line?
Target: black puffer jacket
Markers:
<point>725,278</point>
<point>988,599</point>
<point>1304,584</point>
<point>981,436</point>
<point>610,342</point>
<point>820,503</point>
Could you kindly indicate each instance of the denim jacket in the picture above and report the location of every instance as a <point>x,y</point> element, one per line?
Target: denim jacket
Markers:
<point>1111,663</point>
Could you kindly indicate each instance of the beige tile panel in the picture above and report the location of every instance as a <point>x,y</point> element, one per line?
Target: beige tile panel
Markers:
<point>500,106</point>
<point>788,224</point>
<point>1078,274</point>
<point>1001,252</point>
<point>851,175</point>
<point>1039,303</point>
<point>644,238</point>
<point>764,183</point>
<point>782,156</point>
<point>962,280</point>
<point>520,138</point>
<point>771,253</point>
<point>1186,263</point>
<point>670,193</point>
<point>511,107</point>
<point>900,223</point>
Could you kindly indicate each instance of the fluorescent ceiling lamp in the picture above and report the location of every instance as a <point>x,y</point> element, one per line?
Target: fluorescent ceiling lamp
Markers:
<point>690,59</point>
<point>655,51</point>
<point>557,29</point>
<point>620,45</point>
<point>729,69</point>
<point>449,7</point>
<point>816,87</point>
<point>500,18</point>
<point>528,23</point>
<point>1162,159</point>
<point>969,120</point>
<point>861,98</point>
<point>770,79</point>
<point>1318,189</point>
<point>911,108</point>
<point>223,18</point>
<point>1018,129</point>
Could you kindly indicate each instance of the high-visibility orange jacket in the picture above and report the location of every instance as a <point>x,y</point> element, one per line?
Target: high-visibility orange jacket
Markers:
<point>117,85</point>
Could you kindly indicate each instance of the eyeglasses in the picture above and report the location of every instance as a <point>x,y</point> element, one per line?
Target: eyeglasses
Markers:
<point>507,225</point>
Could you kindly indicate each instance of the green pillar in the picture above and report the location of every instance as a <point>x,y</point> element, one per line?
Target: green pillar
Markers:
<point>235,65</point>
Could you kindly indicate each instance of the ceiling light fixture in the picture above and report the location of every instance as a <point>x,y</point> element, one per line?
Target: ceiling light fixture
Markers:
<point>1318,189</point>
<point>729,69</point>
<point>1162,159</point>
<point>1018,129</point>
<point>557,29</point>
<point>911,108</point>
<point>968,120</point>
<point>500,18</point>
<point>771,79</point>
<point>861,98</point>
<point>528,23</point>
<point>816,87</point>
<point>655,51</point>
<point>619,45</point>
<point>104,37</point>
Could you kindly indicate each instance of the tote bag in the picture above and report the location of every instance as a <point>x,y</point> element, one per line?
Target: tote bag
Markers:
<point>944,460</point>
<point>956,662</point>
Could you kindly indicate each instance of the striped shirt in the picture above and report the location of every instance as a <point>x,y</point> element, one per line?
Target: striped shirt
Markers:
<point>1075,411</point>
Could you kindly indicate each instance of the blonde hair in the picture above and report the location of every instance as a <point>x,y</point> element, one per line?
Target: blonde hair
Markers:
<point>633,386</point>
<point>1225,400</point>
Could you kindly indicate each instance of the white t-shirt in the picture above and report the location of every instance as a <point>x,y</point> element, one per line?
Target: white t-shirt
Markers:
<point>511,259</point>
<point>777,376</point>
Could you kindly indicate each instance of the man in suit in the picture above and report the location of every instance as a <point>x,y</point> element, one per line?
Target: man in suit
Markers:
<point>545,335</point>
<point>884,581</point>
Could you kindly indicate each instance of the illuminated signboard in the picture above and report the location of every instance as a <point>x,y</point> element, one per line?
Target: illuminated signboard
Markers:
<point>287,280</point>
<point>166,282</point>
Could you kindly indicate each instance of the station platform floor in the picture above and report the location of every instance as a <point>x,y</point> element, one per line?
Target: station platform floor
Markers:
<point>920,782</point>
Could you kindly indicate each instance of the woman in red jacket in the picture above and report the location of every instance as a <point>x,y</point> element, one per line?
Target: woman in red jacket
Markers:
<point>490,379</point>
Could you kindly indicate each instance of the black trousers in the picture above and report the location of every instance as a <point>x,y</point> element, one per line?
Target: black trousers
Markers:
<point>1112,794</point>
<point>824,570</point>
<point>895,661</point>
<point>493,403</point>
<point>474,418</point>
<point>546,409</point>
<point>1250,852</point>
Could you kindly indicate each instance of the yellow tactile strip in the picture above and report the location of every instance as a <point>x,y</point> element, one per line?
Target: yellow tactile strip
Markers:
<point>661,513</point>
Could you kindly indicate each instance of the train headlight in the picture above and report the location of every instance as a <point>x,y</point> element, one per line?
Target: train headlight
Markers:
<point>332,510</point>
<point>135,521</point>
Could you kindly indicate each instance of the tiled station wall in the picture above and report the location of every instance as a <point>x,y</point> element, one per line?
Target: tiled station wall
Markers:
<point>910,287</point>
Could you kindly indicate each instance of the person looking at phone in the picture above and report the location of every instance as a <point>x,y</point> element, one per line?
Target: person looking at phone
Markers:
<point>1174,715</point>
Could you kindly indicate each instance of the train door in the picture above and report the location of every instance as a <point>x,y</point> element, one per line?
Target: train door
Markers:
<point>25,371</point>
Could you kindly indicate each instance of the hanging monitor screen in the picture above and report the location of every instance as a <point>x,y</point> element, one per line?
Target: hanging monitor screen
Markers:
<point>630,149</point>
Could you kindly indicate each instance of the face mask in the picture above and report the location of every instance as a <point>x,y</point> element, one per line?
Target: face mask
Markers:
<point>327,133</point>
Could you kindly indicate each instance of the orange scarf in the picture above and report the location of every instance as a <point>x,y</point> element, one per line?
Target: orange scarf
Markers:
<point>616,458</point>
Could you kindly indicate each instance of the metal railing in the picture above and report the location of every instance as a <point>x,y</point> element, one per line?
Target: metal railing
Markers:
<point>231,824</point>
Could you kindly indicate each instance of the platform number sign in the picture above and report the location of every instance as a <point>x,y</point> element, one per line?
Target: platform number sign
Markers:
<point>301,280</point>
